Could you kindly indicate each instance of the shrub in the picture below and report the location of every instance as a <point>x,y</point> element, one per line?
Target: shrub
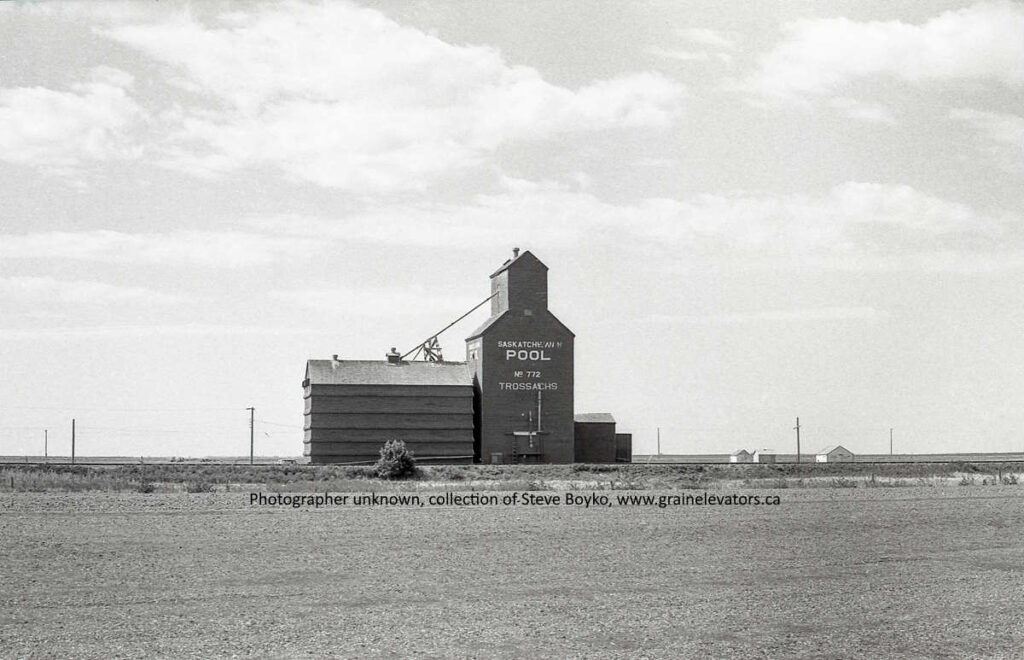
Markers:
<point>1009,479</point>
<point>395,462</point>
<point>146,487</point>
<point>199,487</point>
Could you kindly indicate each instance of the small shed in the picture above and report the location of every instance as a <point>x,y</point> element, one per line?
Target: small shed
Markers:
<point>741,456</point>
<point>834,454</point>
<point>623,447</point>
<point>763,456</point>
<point>594,440</point>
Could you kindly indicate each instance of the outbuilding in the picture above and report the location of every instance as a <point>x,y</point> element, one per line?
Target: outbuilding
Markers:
<point>763,456</point>
<point>834,454</point>
<point>352,407</point>
<point>594,438</point>
<point>741,456</point>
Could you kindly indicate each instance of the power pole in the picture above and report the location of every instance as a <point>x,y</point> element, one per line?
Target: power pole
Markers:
<point>797,427</point>
<point>72,440</point>
<point>252,426</point>
<point>46,442</point>
<point>890,442</point>
<point>659,441</point>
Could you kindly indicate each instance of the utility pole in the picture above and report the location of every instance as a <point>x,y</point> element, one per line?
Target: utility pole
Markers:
<point>659,441</point>
<point>890,442</point>
<point>252,426</point>
<point>46,442</point>
<point>797,427</point>
<point>72,440</point>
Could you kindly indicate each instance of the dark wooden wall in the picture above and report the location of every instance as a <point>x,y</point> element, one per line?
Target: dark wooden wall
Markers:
<point>595,442</point>
<point>504,410</point>
<point>350,423</point>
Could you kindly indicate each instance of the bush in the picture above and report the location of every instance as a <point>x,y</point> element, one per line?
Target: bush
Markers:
<point>395,462</point>
<point>199,487</point>
<point>146,487</point>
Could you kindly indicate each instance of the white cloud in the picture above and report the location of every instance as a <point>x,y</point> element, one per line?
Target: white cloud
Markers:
<point>769,316</point>
<point>59,130</point>
<point>853,225</point>
<point>188,329</point>
<point>1004,132</point>
<point>708,37</point>
<point>224,249</point>
<point>47,291</point>
<point>870,112</point>
<point>374,302</point>
<point>715,45</point>
<point>344,97</point>
<point>820,56</point>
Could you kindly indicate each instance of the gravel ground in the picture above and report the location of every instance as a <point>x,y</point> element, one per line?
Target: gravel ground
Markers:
<point>829,573</point>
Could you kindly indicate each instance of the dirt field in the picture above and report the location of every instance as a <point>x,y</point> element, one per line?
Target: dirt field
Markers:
<point>834,573</point>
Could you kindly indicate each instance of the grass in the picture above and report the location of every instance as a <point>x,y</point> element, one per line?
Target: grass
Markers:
<point>309,478</point>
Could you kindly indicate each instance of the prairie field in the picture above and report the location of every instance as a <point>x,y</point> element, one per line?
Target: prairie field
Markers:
<point>916,571</point>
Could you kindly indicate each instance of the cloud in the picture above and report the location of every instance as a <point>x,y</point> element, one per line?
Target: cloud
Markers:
<point>374,302</point>
<point>59,130</point>
<point>47,291</point>
<point>1004,132</point>
<point>820,56</point>
<point>853,225</point>
<point>715,46</point>
<point>869,112</point>
<point>214,249</point>
<point>769,316</point>
<point>59,333</point>
<point>708,37</point>
<point>344,97</point>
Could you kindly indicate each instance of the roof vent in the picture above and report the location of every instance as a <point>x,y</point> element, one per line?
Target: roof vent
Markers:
<point>515,253</point>
<point>394,357</point>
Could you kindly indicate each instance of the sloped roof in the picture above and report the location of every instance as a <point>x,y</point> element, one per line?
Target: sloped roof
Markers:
<point>832,448</point>
<point>594,418</point>
<point>486,324</point>
<point>379,372</point>
<point>521,256</point>
<point>764,451</point>
<point>494,319</point>
<point>739,451</point>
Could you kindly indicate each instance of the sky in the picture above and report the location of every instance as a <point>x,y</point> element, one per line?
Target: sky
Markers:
<point>750,212</point>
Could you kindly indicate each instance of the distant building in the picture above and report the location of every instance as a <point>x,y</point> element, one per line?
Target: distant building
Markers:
<point>741,456</point>
<point>763,456</point>
<point>594,438</point>
<point>834,454</point>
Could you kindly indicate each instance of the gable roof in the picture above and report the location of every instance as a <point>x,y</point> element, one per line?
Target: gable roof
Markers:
<point>522,255</point>
<point>379,372</point>
<point>494,319</point>
<point>739,451</point>
<point>594,418</point>
<point>486,324</point>
<point>832,448</point>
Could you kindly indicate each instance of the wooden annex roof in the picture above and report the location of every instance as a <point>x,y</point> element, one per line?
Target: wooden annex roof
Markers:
<point>380,372</point>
